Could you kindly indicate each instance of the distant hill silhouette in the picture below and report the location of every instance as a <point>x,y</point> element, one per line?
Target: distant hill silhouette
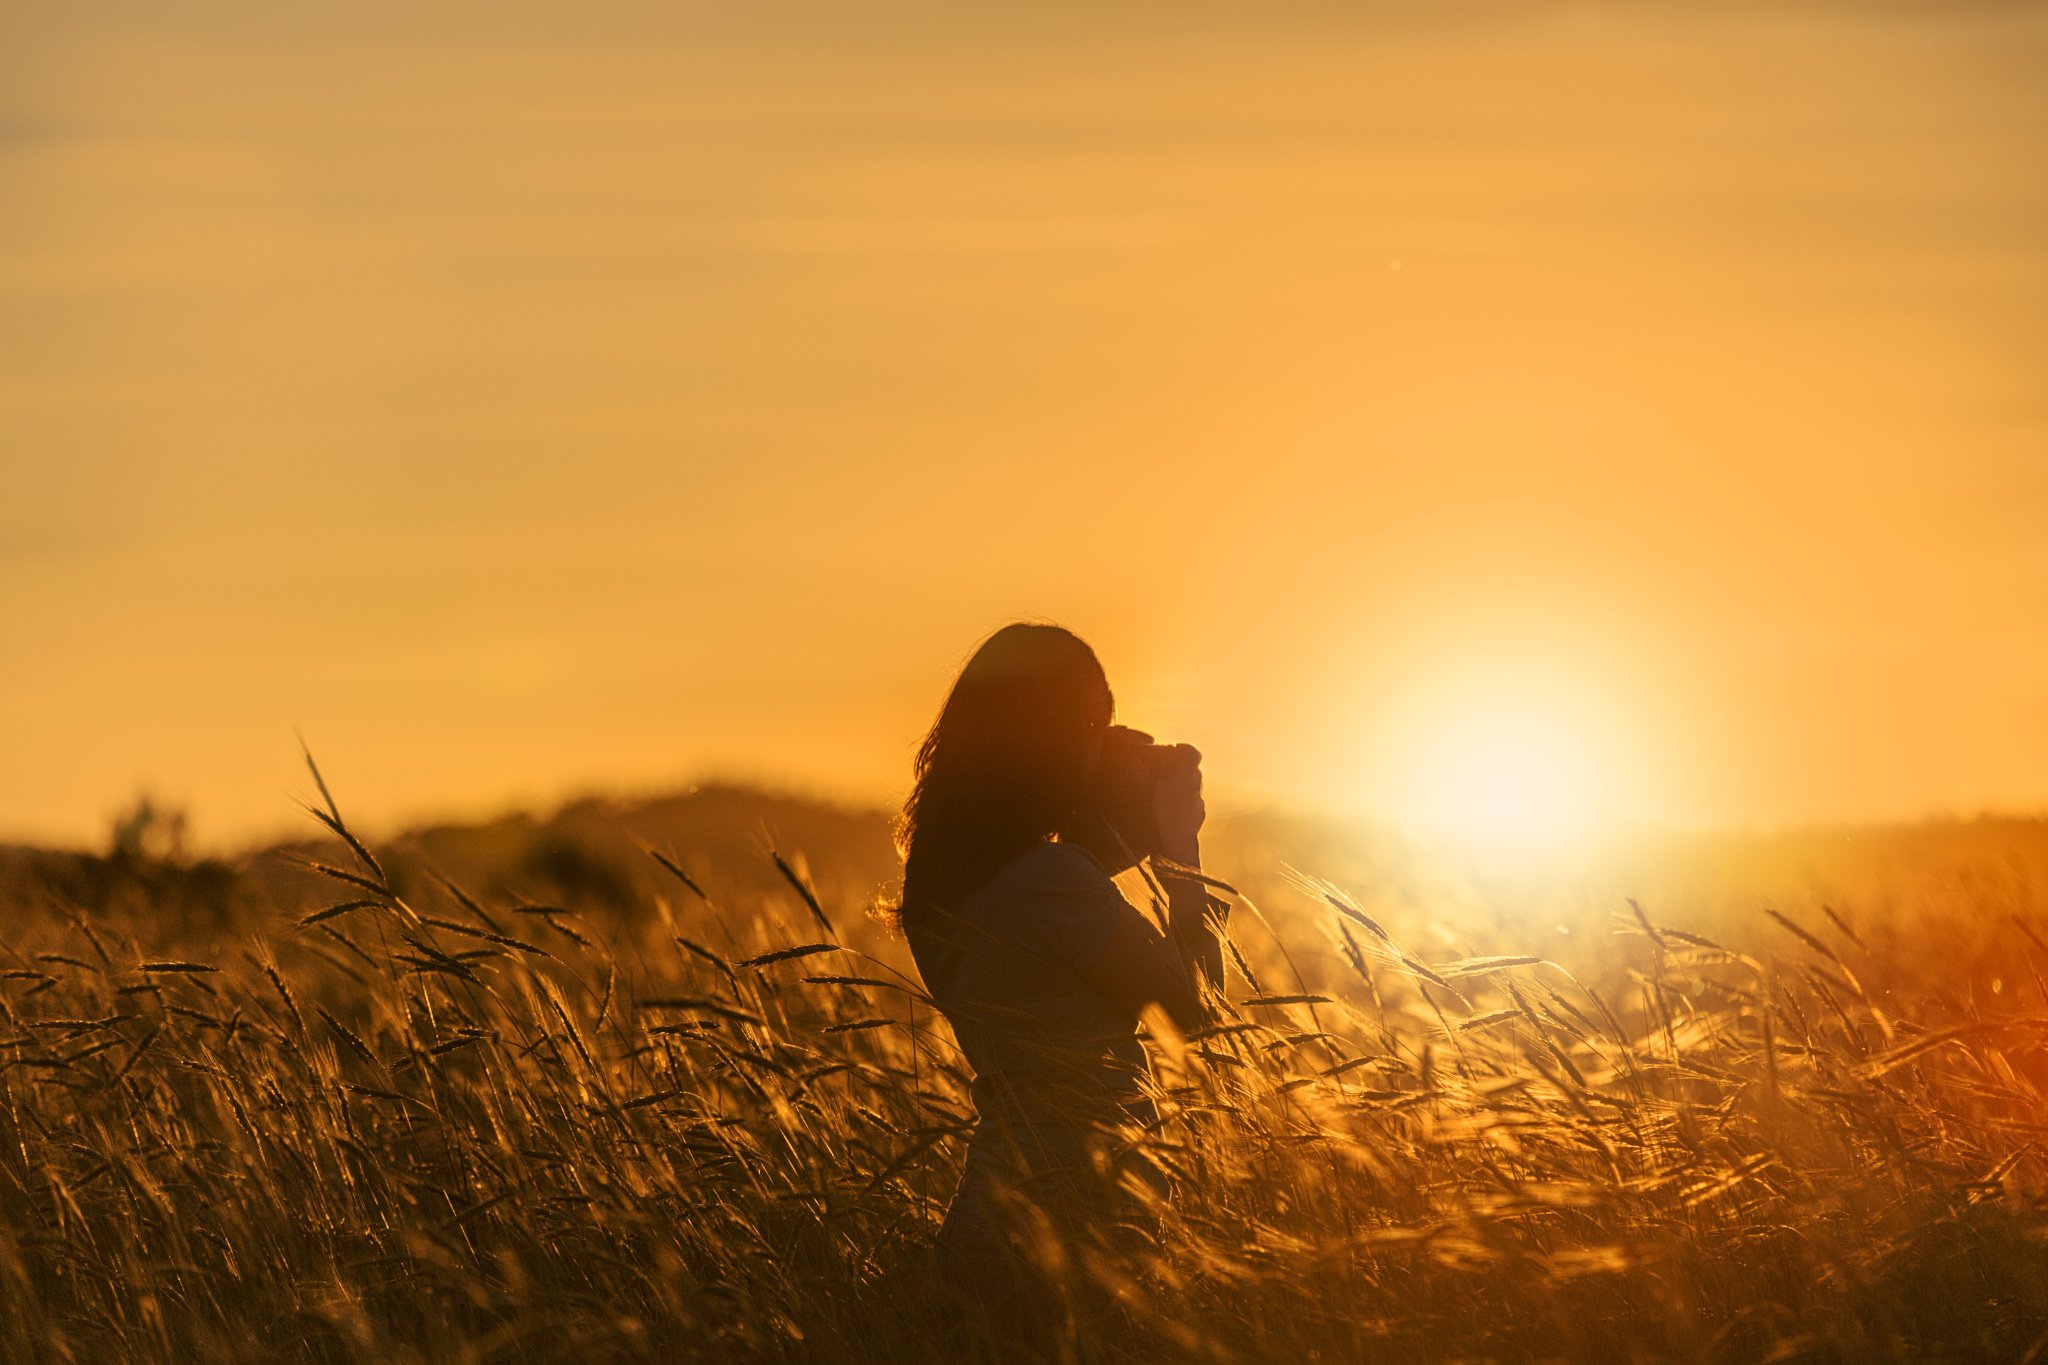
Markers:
<point>591,854</point>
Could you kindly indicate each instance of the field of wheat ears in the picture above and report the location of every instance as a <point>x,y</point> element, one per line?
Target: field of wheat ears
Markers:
<point>411,1124</point>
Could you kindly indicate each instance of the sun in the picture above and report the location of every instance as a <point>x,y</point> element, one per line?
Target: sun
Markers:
<point>1510,770</point>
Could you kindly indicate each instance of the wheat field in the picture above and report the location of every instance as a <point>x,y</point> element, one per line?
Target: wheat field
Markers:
<point>1723,1100</point>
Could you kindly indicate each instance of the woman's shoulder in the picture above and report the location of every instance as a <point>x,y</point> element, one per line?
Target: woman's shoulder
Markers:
<point>1061,859</point>
<point>1053,895</point>
<point>1051,865</point>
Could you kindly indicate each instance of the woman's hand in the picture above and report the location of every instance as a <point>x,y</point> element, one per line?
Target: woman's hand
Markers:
<point>1178,807</point>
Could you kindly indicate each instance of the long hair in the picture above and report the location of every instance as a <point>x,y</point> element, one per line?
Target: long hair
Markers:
<point>1003,766</point>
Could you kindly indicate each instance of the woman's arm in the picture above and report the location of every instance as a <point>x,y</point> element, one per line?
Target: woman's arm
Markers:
<point>1177,970</point>
<point>1139,966</point>
<point>1077,914</point>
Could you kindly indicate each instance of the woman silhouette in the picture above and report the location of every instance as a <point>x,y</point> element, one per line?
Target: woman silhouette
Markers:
<point>1043,967</point>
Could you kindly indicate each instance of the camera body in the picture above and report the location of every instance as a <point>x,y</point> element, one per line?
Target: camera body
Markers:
<point>1126,781</point>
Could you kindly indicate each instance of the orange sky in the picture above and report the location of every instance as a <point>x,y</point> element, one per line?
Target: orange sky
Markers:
<point>523,398</point>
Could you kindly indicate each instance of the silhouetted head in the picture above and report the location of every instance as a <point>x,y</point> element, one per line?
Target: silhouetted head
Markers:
<point>1006,763</point>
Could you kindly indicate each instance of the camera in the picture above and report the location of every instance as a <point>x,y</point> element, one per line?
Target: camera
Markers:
<point>1121,794</point>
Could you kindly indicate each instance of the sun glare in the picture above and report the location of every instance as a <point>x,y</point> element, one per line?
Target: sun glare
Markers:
<point>1509,773</point>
